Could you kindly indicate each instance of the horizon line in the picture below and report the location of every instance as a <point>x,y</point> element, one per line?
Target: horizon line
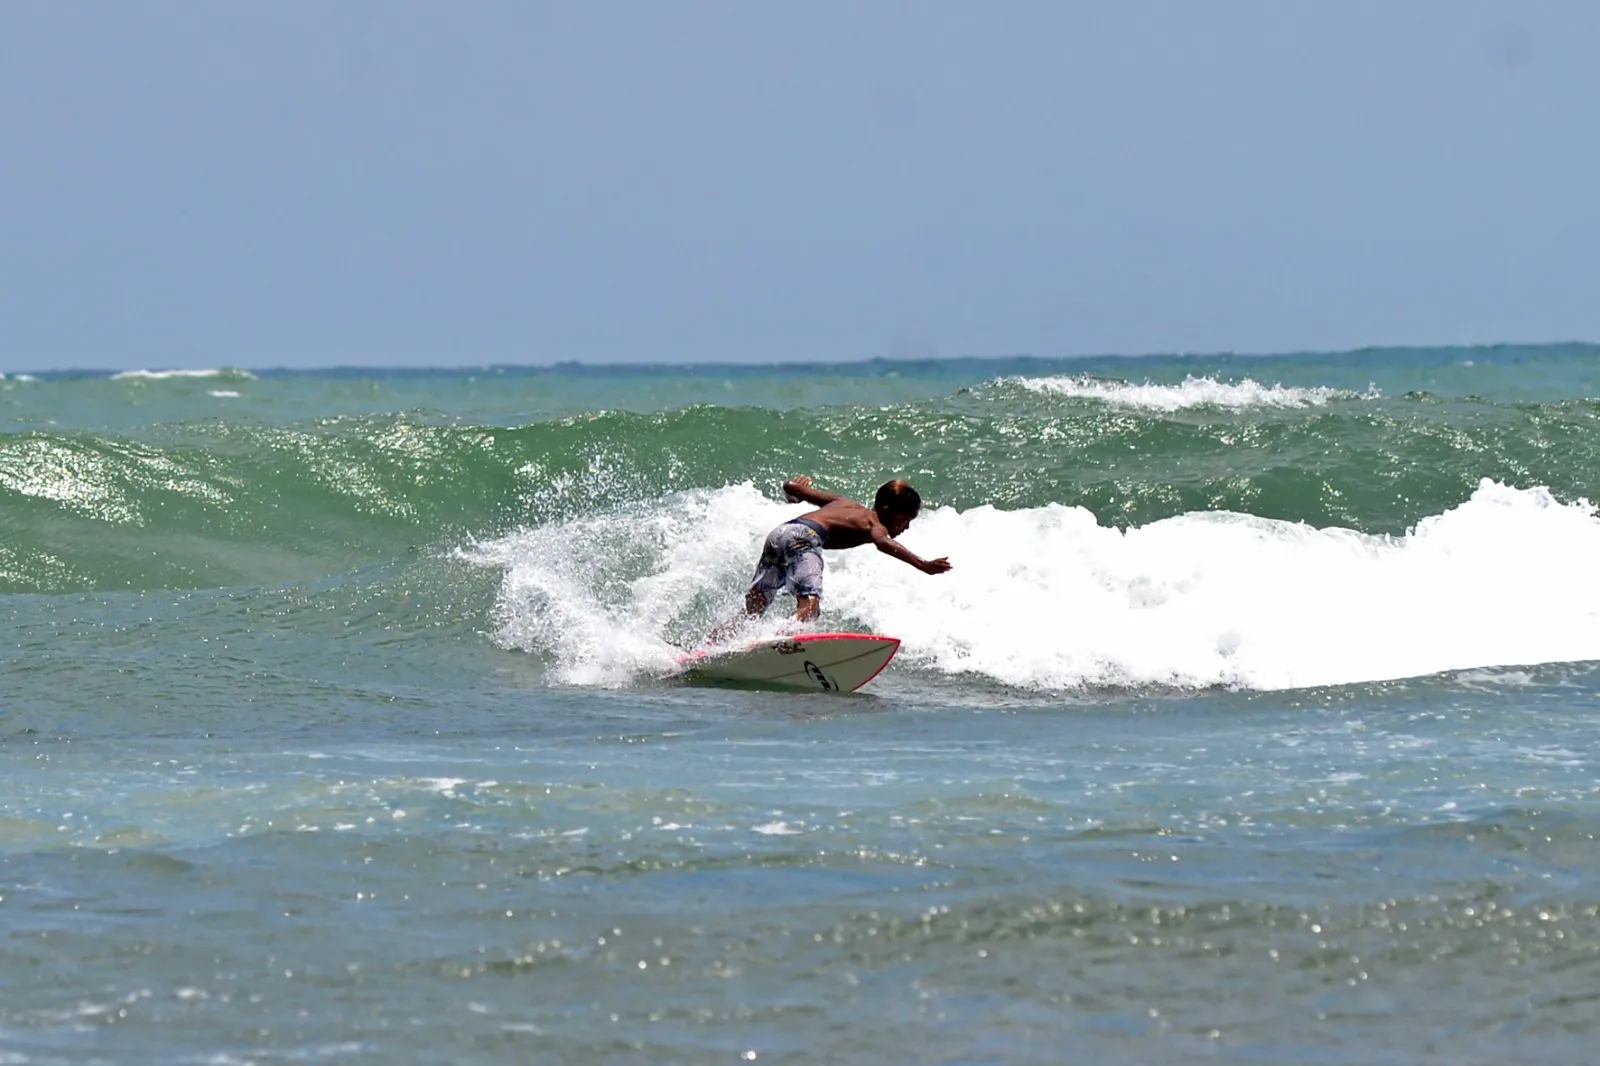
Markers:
<point>729,364</point>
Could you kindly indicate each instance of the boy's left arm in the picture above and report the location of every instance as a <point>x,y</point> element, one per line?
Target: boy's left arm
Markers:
<point>889,546</point>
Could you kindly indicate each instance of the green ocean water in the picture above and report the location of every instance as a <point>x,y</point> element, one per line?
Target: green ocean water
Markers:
<point>234,478</point>
<point>1255,721</point>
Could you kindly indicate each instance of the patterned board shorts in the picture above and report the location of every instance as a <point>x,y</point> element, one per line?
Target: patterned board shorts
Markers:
<point>791,558</point>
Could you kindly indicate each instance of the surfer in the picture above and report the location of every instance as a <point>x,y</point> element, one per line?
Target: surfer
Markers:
<point>791,557</point>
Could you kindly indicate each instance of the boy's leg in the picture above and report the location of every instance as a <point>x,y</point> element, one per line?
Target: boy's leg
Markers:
<point>756,601</point>
<point>805,578</point>
<point>755,604</point>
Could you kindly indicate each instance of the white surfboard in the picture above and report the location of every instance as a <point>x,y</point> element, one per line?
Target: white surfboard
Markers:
<point>813,662</point>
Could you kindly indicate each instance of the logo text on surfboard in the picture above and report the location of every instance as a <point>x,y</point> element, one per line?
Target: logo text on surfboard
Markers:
<point>819,677</point>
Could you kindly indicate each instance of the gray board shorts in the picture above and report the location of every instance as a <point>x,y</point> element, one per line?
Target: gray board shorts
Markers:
<point>791,558</point>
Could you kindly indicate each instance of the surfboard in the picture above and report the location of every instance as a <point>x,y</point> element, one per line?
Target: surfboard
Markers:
<point>808,662</point>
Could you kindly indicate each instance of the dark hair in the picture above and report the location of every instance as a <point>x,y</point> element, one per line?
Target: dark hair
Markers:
<point>896,497</point>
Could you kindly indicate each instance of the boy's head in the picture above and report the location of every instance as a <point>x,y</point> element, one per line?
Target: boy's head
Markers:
<point>897,503</point>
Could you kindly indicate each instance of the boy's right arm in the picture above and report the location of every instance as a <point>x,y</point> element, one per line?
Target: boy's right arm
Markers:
<point>798,490</point>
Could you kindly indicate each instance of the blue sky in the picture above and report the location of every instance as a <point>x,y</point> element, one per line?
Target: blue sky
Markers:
<point>185,184</point>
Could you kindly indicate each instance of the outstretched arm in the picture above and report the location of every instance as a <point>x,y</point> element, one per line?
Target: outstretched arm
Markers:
<point>889,546</point>
<point>798,490</point>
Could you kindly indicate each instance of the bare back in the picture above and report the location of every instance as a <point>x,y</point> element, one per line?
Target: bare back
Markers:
<point>846,523</point>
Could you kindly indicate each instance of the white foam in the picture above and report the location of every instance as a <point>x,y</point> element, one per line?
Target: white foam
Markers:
<point>1191,392</point>
<point>224,394</point>
<point>157,375</point>
<point>1046,598</point>
<point>602,593</point>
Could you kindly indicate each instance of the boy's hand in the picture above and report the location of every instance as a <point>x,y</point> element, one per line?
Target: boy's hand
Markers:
<point>936,566</point>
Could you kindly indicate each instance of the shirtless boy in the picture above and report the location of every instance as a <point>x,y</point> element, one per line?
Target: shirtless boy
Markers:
<point>792,555</point>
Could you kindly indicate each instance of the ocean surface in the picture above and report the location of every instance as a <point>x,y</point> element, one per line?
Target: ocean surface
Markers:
<point>1256,722</point>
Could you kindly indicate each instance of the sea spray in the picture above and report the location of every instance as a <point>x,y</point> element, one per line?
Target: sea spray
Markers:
<point>1047,598</point>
